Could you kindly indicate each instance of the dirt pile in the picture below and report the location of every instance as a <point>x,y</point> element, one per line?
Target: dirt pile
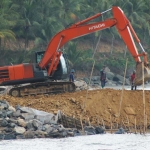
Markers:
<point>99,106</point>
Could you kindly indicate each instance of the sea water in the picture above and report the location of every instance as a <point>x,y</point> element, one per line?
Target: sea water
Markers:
<point>91,142</point>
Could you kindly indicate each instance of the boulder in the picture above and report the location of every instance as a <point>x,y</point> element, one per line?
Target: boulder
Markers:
<point>110,75</point>
<point>21,122</point>
<point>19,130</point>
<point>9,136</point>
<point>120,131</point>
<point>27,116</point>
<point>2,136</point>
<point>4,123</point>
<point>9,113</point>
<point>37,124</point>
<point>99,130</point>
<point>12,108</point>
<point>29,134</point>
<point>17,113</point>
<point>90,130</point>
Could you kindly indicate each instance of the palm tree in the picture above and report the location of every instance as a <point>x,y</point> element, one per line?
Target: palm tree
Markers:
<point>7,19</point>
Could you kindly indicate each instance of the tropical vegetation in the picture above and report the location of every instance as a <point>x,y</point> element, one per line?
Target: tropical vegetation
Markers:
<point>40,20</point>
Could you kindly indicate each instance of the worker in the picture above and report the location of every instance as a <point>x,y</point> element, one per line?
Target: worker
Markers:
<point>103,77</point>
<point>71,76</point>
<point>132,79</point>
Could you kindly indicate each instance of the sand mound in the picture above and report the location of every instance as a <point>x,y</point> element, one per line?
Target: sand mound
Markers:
<point>100,106</point>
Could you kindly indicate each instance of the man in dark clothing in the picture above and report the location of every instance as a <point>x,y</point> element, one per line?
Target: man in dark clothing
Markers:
<point>132,80</point>
<point>71,76</point>
<point>103,77</point>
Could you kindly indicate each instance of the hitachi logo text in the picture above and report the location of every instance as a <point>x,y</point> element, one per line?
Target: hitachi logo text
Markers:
<point>97,26</point>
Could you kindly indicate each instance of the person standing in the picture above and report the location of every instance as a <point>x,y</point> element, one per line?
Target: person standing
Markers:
<point>71,76</point>
<point>132,79</point>
<point>103,77</point>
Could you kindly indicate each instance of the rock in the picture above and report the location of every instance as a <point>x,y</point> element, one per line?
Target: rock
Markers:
<point>76,132</point>
<point>1,108</point>
<point>27,116</point>
<point>80,84</point>
<point>20,136</point>
<point>4,123</point>
<point>110,75</point>
<point>12,125</point>
<point>19,130</point>
<point>40,134</point>
<point>73,100</point>
<point>129,111</point>
<point>22,123</point>
<point>30,126</point>
<point>2,136</point>
<point>37,124</point>
<point>18,107</point>
<point>10,120</point>
<point>29,134</point>
<point>120,131</point>
<point>12,108</point>
<point>4,103</point>
<point>99,130</point>
<point>90,130</point>
<point>8,129</point>
<point>9,136</point>
<point>49,129</point>
<point>9,113</point>
<point>17,113</point>
<point>3,114</point>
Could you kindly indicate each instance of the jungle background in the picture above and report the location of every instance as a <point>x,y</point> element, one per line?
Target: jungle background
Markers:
<point>27,26</point>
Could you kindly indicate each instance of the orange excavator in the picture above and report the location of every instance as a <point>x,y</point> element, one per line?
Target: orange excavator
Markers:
<point>51,66</point>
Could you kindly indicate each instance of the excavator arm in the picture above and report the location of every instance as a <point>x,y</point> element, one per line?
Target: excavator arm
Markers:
<point>119,20</point>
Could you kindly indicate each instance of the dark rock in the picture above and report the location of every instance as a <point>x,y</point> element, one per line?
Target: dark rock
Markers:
<point>1,114</point>
<point>18,107</point>
<point>8,130</point>
<point>9,113</point>
<point>11,125</point>
<point>99,130</point>
<point>4,123</point>
<point>76,132</point>
<point>54,134</point>
<point>12,121</point>
<point>4,103</point>
<point>89,130</point>
<point>37,124</point>
<point>29,125</point>
<point>120,131</point>
<point>9,136</point>
<point>4,114</point>
<point>2,136</point>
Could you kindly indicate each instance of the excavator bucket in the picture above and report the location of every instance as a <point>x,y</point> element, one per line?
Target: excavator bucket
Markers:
<point>139,74</point>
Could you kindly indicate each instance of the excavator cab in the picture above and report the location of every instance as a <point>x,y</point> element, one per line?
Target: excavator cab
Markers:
<point>62,68</point>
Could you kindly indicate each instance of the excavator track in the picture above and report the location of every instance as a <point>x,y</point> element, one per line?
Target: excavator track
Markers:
<point>42,88</point>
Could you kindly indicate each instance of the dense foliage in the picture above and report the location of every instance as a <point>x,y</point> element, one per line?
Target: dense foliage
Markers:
<point>40,20</point>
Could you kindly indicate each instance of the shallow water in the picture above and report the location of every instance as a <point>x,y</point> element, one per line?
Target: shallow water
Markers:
<point>92,142</point>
